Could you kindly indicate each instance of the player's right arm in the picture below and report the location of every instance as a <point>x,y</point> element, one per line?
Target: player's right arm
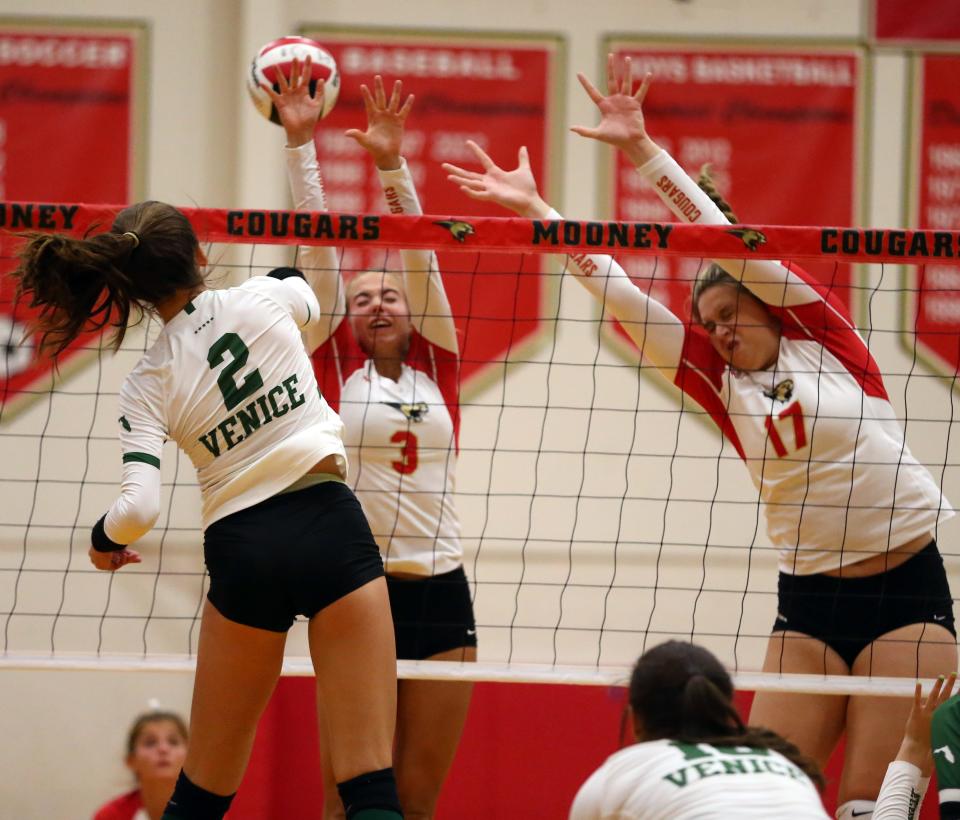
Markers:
<point>135,511</point>
<point>299,113</point>
<point>657,332</point>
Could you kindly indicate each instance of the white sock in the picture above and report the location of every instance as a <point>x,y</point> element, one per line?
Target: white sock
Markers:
<point>856,810</point>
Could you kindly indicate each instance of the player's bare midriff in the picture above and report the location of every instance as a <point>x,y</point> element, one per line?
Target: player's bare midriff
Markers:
<point>328,464</point>
<point>885,561</point>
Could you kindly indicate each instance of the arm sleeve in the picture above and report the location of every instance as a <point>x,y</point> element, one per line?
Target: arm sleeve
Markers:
<point>142,434</point>
<point>657,332</point>
<point>429,307</point>
<point>901,793</point>
<point>769,281</point>
<point>293,294</point>
<point>319,264</point>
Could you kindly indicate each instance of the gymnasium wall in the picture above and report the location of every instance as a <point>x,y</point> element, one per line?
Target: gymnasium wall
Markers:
<point>206,146</point>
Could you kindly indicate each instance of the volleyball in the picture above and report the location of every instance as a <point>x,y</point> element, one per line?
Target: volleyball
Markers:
<point>278,55</point>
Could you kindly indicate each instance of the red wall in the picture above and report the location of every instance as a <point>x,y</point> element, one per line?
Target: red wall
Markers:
<point>525,751</point>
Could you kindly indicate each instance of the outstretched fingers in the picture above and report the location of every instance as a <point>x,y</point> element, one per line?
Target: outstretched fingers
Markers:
<point>481,194</point>
<point>369,106</point>
<point>626,84</point>
<point>592,91</point>
<point>611,74</point>
<point>380,94</point>
<point>641,94</point>
<point>456,170</point>
<point>394,103</point>
<point>941,691</point>
<point>584,131</point>
<point>482,157</point>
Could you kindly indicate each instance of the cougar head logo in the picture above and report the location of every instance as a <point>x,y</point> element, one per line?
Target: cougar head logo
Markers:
<point>413,412</point>
<point>460,230</point>
<point>752,238</point>
<point>781,392</point>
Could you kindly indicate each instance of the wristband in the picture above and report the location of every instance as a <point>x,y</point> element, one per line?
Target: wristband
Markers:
<point>285,273</point>
<point>101,541</point>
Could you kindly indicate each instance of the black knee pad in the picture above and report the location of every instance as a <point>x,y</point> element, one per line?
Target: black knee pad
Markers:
<point>190,802</point>
<point>371,790</point>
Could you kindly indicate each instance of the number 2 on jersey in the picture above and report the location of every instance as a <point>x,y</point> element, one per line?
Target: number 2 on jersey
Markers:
<point>408,452</point>
<point>233,393</point>
<point>799,433</point>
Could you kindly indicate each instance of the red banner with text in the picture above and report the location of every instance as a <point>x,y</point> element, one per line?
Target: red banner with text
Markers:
<point>501,93</point>
<point>935,192</point>
<point>67,131</point>
<point>779,128</point>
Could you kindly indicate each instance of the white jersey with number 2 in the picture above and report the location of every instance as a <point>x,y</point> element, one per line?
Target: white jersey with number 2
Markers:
<point>229,380</point>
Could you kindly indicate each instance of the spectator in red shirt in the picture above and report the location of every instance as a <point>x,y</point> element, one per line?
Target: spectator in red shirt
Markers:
<point>156,749</point>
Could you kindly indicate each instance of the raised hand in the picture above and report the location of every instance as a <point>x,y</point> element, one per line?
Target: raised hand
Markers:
<point>915,747</point>
<point>515,190</point>
<point>112,561</point>
<point>385,121</point>
<point>299,110</point>
<point>621,112</point>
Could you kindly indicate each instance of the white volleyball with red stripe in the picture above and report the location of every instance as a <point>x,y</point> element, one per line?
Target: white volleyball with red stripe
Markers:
<point>277,56</point>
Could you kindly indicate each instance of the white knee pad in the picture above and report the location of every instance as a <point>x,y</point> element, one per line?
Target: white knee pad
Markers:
<point>852,809</point>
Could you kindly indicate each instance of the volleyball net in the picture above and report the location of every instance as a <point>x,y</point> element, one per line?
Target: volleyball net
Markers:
<point>601,513</point>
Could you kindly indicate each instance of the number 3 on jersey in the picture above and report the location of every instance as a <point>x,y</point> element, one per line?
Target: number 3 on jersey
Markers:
<point>233,393</point>
<point>799,433</point>
<point>408,452</point>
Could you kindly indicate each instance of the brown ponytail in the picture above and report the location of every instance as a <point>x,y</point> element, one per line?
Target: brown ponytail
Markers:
<point>682,692</point>
<point>714,274</point>
<point>81,285</point>
<point>709,187</point>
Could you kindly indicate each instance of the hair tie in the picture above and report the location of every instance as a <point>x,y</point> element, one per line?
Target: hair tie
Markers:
<point>136,239</point>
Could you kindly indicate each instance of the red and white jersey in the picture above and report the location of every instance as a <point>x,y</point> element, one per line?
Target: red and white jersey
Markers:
<point>127,806</point>
<point>816,431</point>
<point>401,436</point>
<point>820,439</point>
<point>668,780</point>
<point>401,440</point>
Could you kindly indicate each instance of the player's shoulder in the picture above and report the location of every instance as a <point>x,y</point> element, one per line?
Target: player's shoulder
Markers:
<point>123,807</point>
<point>270,286</point>
<point>149,375</point>
<point>357,372</point>
<point>630,757</point>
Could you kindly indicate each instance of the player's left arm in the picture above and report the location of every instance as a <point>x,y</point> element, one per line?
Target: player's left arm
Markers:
<point>623,125</point>
<point>135,511</point>
<point>430,310</point>
<point>429,307</point>
<point>769,280</point>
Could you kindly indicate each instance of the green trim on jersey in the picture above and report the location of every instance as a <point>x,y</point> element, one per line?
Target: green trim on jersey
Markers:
<point>189,307</point>
<point>144,458</point>
<point>945,742</point>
